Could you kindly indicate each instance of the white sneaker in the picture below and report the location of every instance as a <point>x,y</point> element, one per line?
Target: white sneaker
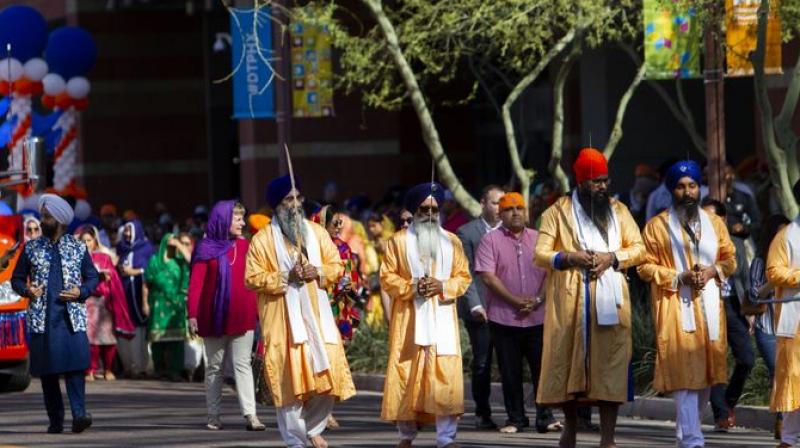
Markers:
<point>214,423</point>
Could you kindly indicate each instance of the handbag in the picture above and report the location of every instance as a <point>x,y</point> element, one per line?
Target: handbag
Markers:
<point>263,394</point>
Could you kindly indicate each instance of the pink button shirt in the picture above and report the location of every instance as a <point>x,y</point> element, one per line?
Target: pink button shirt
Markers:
<point>511,260</point>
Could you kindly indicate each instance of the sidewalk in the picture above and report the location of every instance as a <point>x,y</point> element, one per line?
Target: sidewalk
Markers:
<point>651,408</point>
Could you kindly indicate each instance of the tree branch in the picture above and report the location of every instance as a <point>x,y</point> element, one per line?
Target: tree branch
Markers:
<point>526,175</point>
<point>429,132</point>
<point>558,119</point>
<point>776,154</point>
<point>678,110</point>
<point>616,131</point>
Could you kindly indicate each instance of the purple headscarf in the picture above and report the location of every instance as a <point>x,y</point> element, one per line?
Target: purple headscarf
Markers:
<point>216,245</point>
<point>139,245</point>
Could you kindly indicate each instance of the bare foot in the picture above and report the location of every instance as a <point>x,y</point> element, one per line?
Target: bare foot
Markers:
<point>319,442</point>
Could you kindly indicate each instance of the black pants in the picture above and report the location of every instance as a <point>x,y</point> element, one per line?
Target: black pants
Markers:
<point>513,344</point>
<point>53,402</point>
<point>481,342</point>
<point>723,399</point>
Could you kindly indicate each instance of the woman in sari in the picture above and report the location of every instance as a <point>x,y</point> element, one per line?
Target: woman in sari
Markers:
<point>167,278</point>
<point>106,310</point>
<point>344,296</point>
<point>134,251</point>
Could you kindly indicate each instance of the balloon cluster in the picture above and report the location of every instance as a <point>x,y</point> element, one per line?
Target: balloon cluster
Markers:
<point>69,53</point>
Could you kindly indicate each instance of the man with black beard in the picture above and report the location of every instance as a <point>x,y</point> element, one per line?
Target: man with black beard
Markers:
<point>689,252</point>
<point>289,263</point>
<point>585,241</point>
<point>57,273</point>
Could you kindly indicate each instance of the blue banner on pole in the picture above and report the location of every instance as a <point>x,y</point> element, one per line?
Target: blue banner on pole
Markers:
<point>253,78</point>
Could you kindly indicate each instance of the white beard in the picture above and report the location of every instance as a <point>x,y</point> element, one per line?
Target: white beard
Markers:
<point>427,239</point>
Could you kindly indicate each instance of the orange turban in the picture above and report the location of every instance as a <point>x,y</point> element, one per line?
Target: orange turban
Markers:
<point>510,200</point>
<point>257,221</point>
<point>589,165</point>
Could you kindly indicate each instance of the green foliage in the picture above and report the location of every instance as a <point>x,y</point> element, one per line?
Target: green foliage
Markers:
<point>644,349</point>
<point>437,37</point>
<point>368,351</point>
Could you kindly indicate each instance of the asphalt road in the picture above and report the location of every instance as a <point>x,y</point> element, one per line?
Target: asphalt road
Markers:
<point>160,414</point>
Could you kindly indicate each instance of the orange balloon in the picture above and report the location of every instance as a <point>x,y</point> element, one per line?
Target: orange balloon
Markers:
<point>63,101</point>
<point>49,101</point>
<point>81,104</point>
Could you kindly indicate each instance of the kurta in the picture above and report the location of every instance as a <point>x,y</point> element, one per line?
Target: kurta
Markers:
<point>570,369</point>
<point>419,384</point>
<point>60,348</point>
<point>684,360</point>
<point>288,366</point>
<point>786,388</point>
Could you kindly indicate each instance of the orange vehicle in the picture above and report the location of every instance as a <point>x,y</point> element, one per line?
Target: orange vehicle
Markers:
<point>14,375</point>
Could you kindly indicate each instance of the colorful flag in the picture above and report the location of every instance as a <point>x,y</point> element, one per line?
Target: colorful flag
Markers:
<point>312,70</point>
<point>741,19</point>
<point>671,41</point>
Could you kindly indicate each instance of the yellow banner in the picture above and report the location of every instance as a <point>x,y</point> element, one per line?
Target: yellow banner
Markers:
<point>312,71</point>
<point>741,17</point>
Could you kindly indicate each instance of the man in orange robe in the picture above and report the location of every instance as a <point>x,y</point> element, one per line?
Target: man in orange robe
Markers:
<point>689,253</point>
<point>424,271</point>
<point>289,263</point>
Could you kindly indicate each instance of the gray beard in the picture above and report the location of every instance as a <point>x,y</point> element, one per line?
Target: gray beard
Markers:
<point>289,221</point>
<point>427,237</point>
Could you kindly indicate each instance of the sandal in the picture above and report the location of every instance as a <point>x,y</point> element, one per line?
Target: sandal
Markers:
<point>510,429</point>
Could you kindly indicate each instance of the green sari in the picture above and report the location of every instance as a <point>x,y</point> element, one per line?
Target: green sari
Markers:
<point>168,283</point>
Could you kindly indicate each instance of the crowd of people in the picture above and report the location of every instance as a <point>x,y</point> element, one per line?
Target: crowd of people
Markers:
<point>549,286</point>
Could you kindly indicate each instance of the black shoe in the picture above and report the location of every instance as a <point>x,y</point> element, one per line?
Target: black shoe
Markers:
<point>485,423</point>
<point>81,424</point>
<point>55,429</point>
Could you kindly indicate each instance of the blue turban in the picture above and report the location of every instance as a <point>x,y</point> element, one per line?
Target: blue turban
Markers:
<point>417,195</point>
<point>684,168</point>
<point>278,189</point>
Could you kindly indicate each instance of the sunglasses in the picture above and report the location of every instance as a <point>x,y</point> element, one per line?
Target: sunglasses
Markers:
<point>426,209</point>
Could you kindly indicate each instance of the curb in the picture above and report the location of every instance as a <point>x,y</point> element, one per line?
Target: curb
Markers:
<point>652,408</point>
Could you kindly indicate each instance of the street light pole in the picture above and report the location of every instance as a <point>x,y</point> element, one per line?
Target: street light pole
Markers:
<point>715,108</point>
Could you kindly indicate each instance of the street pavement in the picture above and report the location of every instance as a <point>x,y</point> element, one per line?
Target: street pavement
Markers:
<point>161,414</point>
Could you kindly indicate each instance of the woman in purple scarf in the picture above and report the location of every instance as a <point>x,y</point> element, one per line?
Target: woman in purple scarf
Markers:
<point>223,311</point>
<point>134,251</point>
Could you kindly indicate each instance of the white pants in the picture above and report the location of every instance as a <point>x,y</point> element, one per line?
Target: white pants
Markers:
<point>791,427</point>
<point>133,352</point>
<point>240,349</point>
<point>446,426</point>
<point>689,408</point>
<point>297,422</point>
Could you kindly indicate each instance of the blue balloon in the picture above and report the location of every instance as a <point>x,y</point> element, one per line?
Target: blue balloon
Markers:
<point>5,209</point>
<point>25,29</point>
<point>70,52</point>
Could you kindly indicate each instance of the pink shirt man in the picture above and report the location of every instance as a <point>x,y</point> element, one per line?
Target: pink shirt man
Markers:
<point>511,260</point>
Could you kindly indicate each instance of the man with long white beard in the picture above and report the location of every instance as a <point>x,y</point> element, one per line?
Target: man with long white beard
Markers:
<point>424,271</point>
<point>289,264</point>
<point>783,270</point>
<point>585,241</point>
<point>689,253</point>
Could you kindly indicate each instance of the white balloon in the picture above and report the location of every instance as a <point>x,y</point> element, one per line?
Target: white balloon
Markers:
<point>35,69</point>
<point>78,88</point>
<point>14,65</point>
<point>53,84</point>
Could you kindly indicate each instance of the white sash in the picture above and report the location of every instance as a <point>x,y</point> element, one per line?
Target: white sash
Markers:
<point>710,295</point>
<point>302,323</point>
<point>433,321</point>
<point>608,291</point>
<point>790,311</point>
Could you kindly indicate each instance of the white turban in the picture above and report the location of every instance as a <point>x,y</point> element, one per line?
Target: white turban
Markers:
<point>57,207</point>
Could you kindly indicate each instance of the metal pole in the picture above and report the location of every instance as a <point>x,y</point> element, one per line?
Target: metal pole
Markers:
<point>715,108</point>
<point>282,46</point>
